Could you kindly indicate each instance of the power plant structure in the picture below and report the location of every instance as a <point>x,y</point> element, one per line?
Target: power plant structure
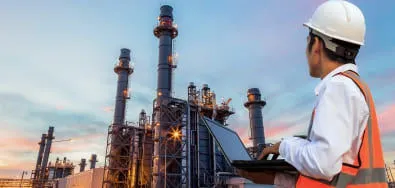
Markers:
<point>172,147</point>
<point>46,173</point>
<point>60,169</point>
<point>40,174</point>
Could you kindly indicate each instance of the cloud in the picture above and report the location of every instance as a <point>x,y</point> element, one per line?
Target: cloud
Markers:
<point>386,120</point>
<point>18,144</point>
<point>108,109</point>
<point>23,122</point>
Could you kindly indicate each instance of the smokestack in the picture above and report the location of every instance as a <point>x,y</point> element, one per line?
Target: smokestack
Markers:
<point>166,32</point>
<point>93,161</point>
<point>116,171</point>
<point>123,69</point>
<point>82,165</point>
<point>192,93</point>
<point>205,94</point>
<point>255,105</point>
<point>142,119</point>
<point>48,144</point>
<point>40,156</point>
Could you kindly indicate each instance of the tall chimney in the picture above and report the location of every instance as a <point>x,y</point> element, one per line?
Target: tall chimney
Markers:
<point>255,105</point>
<point>48,144</point>
<point>93,161</point>
<point>123,69</point>
<point>82,165</point>
<point>116,172</point>
<point>166,32</point>
<point>40,156</point>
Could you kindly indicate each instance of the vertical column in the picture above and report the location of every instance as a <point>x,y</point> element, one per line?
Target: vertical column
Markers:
<point>48,144</point>
<point>255,105</point>
<point>165,32</point>
<point>40,156</point>
<point>93,161</point>
<point>123,69</point>
<point>82,165</point>
<point>118,143</point>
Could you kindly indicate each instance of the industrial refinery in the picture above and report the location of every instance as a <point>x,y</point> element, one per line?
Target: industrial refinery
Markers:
<point>172,147</point>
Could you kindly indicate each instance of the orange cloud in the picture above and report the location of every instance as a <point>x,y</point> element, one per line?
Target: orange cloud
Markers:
<point>271,132</point>
<point>80,143</point>
<point>277,130</point>
<point>18,144</point>
<point>108,109</point>
<point>243,134</point>
<point>59,107</point>
<point>387,119</point>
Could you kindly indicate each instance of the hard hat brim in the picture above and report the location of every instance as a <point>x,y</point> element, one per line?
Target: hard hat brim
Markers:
<point>309,25</point>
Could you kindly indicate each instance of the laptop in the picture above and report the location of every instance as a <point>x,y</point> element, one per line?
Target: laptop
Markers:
<point>236,153</point>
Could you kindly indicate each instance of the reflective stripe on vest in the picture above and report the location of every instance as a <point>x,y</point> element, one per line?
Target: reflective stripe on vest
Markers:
<point>368,168</point>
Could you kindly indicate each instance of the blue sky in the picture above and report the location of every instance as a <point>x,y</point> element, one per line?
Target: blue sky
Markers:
<point>57,58</point>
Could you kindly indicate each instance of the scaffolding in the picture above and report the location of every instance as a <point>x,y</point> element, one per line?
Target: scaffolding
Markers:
<point>171,151</point>
<point>117,154</point>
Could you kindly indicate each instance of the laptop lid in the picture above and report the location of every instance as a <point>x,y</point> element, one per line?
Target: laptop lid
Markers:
<point>228,140</point>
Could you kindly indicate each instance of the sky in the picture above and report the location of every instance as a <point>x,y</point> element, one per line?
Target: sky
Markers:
<point>57,59</point>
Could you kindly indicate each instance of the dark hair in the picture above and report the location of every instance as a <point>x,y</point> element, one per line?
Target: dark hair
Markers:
<point>332,55</point>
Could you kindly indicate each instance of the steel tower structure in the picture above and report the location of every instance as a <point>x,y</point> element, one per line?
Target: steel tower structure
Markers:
<point>40,156</point>
<point>170,117</point>
<point>117,159</point>
<point>255,105</point>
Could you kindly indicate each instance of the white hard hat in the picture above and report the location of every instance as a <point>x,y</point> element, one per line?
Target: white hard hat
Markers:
<point>340,20</point>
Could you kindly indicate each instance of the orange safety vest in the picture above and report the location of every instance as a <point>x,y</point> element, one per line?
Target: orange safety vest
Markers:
<point>368,169</point>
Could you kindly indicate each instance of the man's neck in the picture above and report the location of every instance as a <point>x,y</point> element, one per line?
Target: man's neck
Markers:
<point>328,67</point>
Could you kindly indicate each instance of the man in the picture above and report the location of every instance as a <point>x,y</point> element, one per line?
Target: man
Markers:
<point>343,147</point>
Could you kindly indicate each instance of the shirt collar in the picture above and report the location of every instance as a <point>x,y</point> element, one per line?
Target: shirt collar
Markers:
<point>339,69</point>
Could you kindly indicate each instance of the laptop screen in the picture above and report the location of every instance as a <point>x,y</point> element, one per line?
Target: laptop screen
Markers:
<point>228,140</point>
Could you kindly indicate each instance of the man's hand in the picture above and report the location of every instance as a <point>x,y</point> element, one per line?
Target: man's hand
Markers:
<point>262,177</point>
<point>270,150</point>
<point>258,177</point>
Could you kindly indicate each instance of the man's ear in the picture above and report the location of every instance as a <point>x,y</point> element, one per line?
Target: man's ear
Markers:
<point>317,45</point>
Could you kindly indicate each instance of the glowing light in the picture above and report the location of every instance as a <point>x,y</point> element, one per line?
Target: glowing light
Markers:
<point>176,134</point>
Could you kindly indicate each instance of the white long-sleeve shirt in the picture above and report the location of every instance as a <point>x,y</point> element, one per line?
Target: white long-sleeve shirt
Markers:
<point>341,115</point>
